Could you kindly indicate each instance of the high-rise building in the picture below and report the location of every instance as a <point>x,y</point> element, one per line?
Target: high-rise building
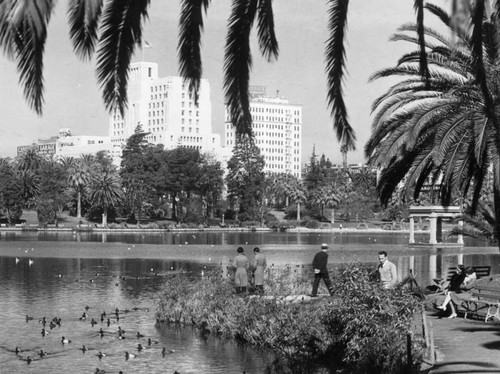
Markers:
<point>165,109</point>
<point>277,129</point>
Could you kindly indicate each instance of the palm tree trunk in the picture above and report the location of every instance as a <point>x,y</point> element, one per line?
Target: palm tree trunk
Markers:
<point>496,199</point>
<point>79,204</point>
<point>298,212</point>
<point>105,216</point>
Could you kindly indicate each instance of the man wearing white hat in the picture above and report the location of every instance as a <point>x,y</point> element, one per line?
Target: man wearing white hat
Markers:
<point>320,263</point>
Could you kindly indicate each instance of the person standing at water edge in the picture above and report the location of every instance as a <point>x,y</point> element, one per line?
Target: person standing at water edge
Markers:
<point>241,276</point>
<point>320,263</point>
<point>387,272</point>
<point>260,264</point>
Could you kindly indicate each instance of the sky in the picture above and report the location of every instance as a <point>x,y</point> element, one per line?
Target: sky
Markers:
<point>73,99</point>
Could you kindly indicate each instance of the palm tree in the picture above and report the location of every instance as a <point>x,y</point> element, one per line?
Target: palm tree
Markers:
<point>105,192</point>
<point>30,183</point>
<point>445,131</point>
<point>29,159</point>
<point>78,178</point>
<point>112,30</point>
<point>325,197</point>
<point>297,193</point>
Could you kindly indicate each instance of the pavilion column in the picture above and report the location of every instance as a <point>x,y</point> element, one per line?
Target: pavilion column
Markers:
<point>460,239</point>
<point>433,221</point>
<point>412,230</point>
<point>432,267</point>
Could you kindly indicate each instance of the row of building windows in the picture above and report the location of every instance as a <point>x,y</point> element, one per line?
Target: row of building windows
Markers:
<point>190,129</point>
<point>156,113</point>
<point>190,121</point>
<point>156,104</point>
<point>156,96</point>
<point>155,121</point>
<point>191,113</point>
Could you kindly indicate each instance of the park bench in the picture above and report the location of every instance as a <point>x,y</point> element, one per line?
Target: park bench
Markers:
<point>482,298</point>
<point>481,272</point>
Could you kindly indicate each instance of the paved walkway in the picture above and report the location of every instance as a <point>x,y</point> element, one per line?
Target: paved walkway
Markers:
<point>466,346</point>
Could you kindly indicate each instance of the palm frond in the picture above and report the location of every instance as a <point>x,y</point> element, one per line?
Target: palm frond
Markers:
<point>491,42</point>
<point>268,43</point>
<point>237,65</point>
<point>120,31</point>
<point>189,46</point>
<point>335,65</point>
<point>29,20</point>
<point>449,22</point>
<point>411,27</point>
<point>424,70</point>
<point>83,17</point>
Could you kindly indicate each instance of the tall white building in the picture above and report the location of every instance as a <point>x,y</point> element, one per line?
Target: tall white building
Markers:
<point>277,128</point>
<point>165,109</point>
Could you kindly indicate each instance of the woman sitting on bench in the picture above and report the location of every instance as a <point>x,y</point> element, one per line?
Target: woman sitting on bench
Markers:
<point>460,281</point>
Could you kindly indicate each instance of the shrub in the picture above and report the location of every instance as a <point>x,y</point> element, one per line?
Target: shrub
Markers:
<point>311,224</point>
<point>291,211</point>
<point>250,224</point>
<point>361,329</point>
<point>214,222</point>
<point>269,217</point>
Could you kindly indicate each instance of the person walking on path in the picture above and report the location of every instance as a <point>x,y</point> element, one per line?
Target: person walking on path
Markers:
<point>241,276</point>
<point>388,274</point>
<point>320,263</point>
<point>260,264</point>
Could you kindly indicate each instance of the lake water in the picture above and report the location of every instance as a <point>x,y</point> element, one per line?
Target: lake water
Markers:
<point>105,271</point>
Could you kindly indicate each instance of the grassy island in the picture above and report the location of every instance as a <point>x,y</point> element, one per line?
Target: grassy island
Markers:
<point>361,329</point>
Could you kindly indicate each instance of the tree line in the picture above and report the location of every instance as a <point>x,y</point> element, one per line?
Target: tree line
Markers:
<point>180,184</point>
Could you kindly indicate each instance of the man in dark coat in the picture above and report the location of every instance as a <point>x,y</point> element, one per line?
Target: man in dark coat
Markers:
<point>320,263</point>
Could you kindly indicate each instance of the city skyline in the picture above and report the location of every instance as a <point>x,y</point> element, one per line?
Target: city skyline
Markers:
<point>73,99</point>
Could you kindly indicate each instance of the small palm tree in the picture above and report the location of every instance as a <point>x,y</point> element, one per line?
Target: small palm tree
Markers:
<point>105,192</point>
<point>78,178</point>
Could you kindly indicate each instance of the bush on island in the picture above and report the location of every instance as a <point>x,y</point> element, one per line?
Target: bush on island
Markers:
<point>362,328</point>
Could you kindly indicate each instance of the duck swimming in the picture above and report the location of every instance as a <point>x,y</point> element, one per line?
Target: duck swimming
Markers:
<point>129,355</point>
<point>83,349</point>
<point>139,335</point>
<point>42,353</point>
<point>101,355</point>
<point>65,341</point>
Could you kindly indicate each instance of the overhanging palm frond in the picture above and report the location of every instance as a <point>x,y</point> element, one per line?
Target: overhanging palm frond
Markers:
<point>83,18</point>
<point>268,43</point>
<point>189,46</point>
<point>424,70</point>
<point>335,65</point>
<point>120,31</point>
<point>237,65</point>
<point>24,37</point>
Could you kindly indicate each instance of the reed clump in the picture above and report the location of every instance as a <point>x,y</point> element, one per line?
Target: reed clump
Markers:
<point>362,328</point>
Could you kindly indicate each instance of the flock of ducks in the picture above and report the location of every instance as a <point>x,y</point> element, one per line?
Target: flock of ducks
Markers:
<point>48,326</point>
